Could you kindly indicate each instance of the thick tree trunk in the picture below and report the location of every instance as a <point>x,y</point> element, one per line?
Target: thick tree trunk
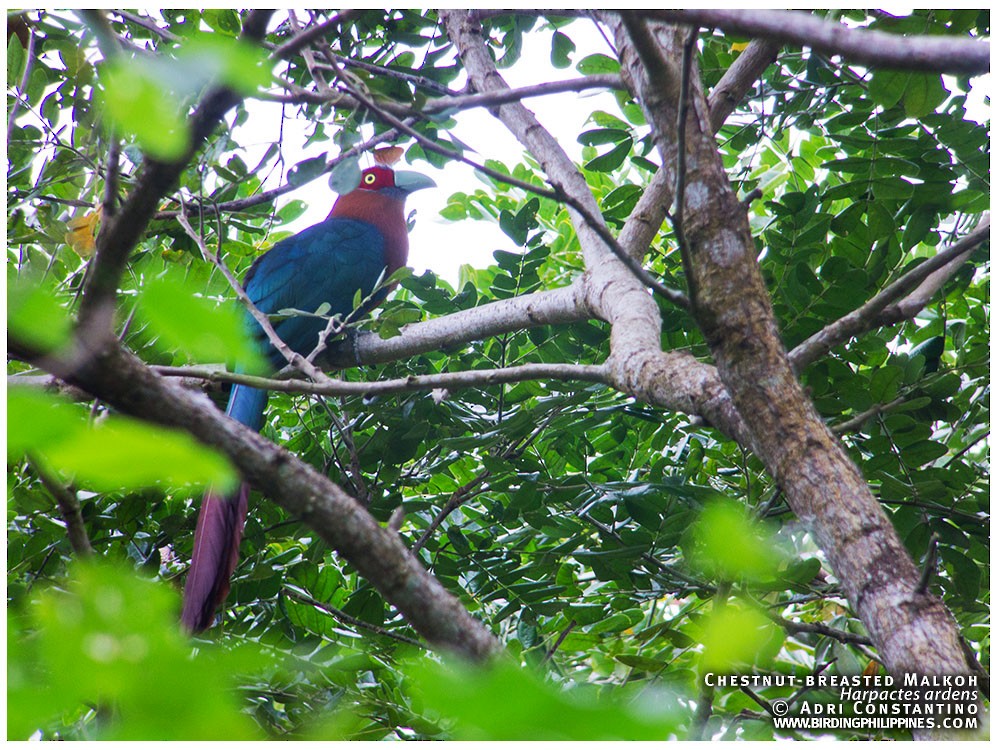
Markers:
<point>913,630</point>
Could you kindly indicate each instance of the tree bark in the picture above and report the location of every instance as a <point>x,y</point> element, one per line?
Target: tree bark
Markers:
<point>913,630</point>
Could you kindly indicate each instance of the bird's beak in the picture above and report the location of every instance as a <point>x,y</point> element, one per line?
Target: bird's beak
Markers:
<point>412,181</point>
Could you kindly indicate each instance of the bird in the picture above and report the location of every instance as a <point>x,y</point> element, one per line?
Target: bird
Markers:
<point>363,240</point>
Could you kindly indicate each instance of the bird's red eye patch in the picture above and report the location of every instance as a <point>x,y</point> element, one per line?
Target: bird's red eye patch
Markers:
<point>376,178</point>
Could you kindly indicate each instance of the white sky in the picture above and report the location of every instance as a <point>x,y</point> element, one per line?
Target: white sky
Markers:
<point>437,244</point>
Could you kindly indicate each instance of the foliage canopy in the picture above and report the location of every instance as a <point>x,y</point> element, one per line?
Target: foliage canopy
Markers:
<point>617,550</point>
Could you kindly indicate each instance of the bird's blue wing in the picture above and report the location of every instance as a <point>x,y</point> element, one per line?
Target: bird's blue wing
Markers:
<point>327,263</point>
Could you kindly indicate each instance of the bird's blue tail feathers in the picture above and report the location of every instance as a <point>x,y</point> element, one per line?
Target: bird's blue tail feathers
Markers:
<point>246,405</point>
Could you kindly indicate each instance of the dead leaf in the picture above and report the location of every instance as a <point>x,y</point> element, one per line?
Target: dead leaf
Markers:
<point>388,156</point>
<point>82,233</point>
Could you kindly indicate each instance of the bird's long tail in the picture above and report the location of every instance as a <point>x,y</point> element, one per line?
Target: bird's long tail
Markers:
<point>220,528</point>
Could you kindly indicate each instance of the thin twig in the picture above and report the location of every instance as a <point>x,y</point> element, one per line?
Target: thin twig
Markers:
<point>111,176</point>
<point>310,34</point>
<point>147,24</point>
<point>557,193</point>
<point>349,619</point>
<point>241,204</point>
<point>446,380</point>
<point>562,637</point>
<point>469,490</point>
<point>69,507</point>
<point>491,99</point>
<point>818,628</point>
<point>859,419</point>
<point>930,564</point>
<point>466,492</point>
<point>765,704</point>
<point>119,237</point>
<point>399,75</point>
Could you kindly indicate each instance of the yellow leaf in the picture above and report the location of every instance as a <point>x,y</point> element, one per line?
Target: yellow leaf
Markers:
<point>83,232</point>
<point>739,46</point>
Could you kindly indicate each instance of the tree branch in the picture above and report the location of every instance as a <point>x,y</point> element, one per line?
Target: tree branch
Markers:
<point>469,101</point>
<point>817,628</point>
<point>738,79</point>
<point>875,312</point>
<point>147,24</point>
<point>648,215</point>
<point>121,380</point>
<point>444,380</point>
<point>561,305</point>
<point>69,508</point>
<point>877,49</point>
<point>292,357</point>
<point>919,298</point>
<point>309,35</point>
<point>452,102</point>
<point>241,204</point>
<point>608,289</point>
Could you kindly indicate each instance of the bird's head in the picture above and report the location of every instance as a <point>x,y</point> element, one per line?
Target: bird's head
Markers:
<point>379,195</point>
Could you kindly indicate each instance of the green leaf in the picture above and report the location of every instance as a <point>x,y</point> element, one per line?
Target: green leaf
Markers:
<point>924,92</point>
<point>734,638</point>
<point>967,576</point>
<point>921,222</point>
<point>597,63</point>
<point>223,19</point>
<point>181,318</point>
<point>309,169</point>
<point>109,638</point>
<point>292,210</point>
<point>233,62</point>
<point>35,316</point>
<point>602,135</point>
<point>562,48</point>
<point>504,702</point>
<point>888,86</point>
<point>37,420</point>
<point>344,177</point>
<point>135,101</point>
<point>726,544</point>
<point>15,60</point>
<point>113,454</point>
<point>611,160</point>
<point>921,93</point>
<point>147,98</point>
<point>885,383</point>
<point>642,663</point>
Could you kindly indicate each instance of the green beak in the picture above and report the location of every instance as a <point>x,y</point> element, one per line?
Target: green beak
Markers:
<point>409,182</point>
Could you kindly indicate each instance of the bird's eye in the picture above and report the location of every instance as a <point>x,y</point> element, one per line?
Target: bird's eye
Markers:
<point>370,179</point>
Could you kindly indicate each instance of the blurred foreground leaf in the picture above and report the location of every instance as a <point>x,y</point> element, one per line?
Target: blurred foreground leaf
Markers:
<point>505,702</point>
<point>113,454</point>
<point>109,644</point>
